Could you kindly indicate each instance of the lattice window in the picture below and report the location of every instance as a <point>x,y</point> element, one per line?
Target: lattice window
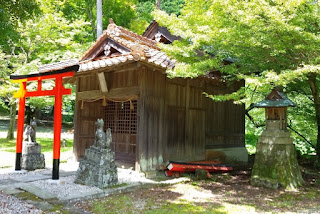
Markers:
<point>121,117</point>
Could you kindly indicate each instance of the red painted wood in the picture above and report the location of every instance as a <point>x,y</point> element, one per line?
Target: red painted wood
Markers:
<point>58,91</point>
<point>185,167</point>
<point>57,118</point>
<point>20,123</point>
<point>52,92</point>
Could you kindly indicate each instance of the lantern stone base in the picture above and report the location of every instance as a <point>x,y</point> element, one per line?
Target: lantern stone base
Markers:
<point>276,161</point>
<point>98,168</point>
<point>31,157</point>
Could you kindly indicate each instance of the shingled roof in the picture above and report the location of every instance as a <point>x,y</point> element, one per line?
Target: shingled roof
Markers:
<point>127,46</point>
<point>275,99</point>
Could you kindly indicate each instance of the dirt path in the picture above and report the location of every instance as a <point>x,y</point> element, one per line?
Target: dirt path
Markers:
<point>225,193</point>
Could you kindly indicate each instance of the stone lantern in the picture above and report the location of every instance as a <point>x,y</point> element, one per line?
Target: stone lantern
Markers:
<point>276,160</point>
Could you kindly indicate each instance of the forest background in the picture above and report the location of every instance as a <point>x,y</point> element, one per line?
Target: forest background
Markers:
<point>34,32</point>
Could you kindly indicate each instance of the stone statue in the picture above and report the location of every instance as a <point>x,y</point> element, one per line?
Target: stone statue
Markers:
<point>31,152</point>
<point>30,133</point>
<point>102,140</point>
<point>100,136</point>
<point>108,138</point>
<point>98,167</point>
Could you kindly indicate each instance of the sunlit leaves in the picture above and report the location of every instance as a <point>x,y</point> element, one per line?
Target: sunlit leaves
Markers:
<point>273,43</point>
<point>274,40</point>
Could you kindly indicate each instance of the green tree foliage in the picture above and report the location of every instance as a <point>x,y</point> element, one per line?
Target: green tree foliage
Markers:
<point>122,12</point>
<point>144,9</point>
<point>35,32</point>
<point>12,12</point>
<point>44,39</point>
<point>270,42</point>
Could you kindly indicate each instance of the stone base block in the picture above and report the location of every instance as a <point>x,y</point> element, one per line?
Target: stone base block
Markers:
<point>32,161</point>
<point>29,148</point>
<point>276,164</point>
<point>97,168</point>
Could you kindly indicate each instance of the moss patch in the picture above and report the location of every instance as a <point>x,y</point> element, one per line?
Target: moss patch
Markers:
<point>276,163</point>
<point>28,196</point>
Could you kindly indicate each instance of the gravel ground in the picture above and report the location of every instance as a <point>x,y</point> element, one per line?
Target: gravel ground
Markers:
<point>12,205</point>
<point>66,187</point>
<point>63,188</point>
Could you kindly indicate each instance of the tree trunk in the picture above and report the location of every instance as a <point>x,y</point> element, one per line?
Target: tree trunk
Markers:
<point>89,10</point>
<point>10,134</point>
<point>158,4</point>
<point>312,79</point>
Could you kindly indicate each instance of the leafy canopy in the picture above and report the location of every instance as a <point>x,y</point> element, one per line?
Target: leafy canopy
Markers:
<point>269,41</point>
<point>12,12</point>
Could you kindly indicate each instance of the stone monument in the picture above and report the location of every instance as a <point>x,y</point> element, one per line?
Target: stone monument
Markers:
<point>31,152</point>
<point>98,167</point>
<point>276,160</point>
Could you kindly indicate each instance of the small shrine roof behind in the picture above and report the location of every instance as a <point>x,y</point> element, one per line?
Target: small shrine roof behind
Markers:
<point>118,45</point>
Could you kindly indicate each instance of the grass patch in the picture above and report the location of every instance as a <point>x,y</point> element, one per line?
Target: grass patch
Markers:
<point>7,145</point>
<point>46,145</point>
<point>119,185</point>
<point>150,205</point>
<point>223,196</point>
<point>8,149</point>
<point>28,196</point>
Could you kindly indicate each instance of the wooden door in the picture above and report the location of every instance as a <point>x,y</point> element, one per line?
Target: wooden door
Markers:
<point>121,118</point>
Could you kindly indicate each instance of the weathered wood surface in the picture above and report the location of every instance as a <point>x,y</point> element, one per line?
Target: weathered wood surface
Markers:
<point>175,121</point>
<point>116,94</point>
<point>90,97</point>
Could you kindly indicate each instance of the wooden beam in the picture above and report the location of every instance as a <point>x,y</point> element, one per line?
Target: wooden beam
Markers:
<point>102,82</point>
<point>116,94</point>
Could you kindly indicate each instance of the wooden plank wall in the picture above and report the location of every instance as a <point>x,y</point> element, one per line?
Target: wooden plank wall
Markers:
<point>177,122</point>
<point>86,129</point>
<point>224,120</point>
<point>185,121</point>
<point>151,112</point>
<point>86,117</point>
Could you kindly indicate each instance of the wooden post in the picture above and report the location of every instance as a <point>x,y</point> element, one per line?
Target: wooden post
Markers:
<point>99,18</point>
<point>20,124</point>
<point>57,128</point>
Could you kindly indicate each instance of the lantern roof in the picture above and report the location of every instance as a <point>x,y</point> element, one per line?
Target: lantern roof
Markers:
<point>275,99</point>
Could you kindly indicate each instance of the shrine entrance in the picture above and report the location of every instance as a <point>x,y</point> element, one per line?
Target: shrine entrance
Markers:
<point>52,73</point>
<point>121,118</point>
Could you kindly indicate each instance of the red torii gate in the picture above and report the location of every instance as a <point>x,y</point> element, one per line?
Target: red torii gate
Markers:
<point>58,91</point>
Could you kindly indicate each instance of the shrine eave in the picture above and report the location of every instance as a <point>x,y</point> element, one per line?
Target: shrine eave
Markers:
<point>274,103</point>
<point>42,74</point>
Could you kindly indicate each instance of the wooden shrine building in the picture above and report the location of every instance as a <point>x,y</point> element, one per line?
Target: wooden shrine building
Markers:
<point>122,79</point>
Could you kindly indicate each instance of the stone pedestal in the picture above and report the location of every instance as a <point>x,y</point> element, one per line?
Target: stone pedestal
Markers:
<point>98,168</point>
<point>276,160</point>
<point>31,157</point>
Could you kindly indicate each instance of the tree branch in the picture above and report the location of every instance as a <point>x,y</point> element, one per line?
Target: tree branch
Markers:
<point>251,118</point>
<point>304,138</point>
